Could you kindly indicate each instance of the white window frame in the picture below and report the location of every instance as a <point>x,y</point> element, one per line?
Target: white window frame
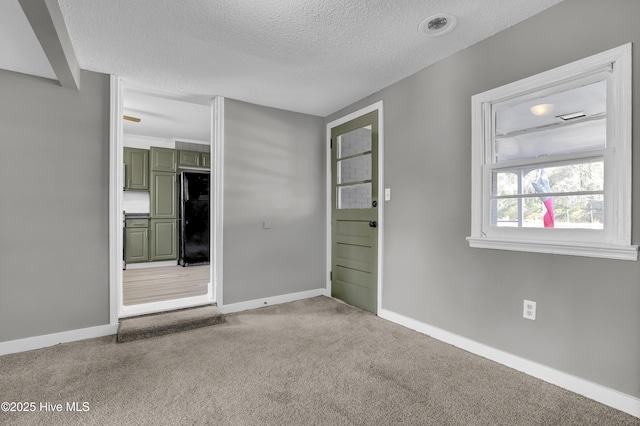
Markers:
<point>614,241</point>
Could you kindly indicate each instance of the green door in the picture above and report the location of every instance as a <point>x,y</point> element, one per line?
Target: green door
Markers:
<point>354,231</point>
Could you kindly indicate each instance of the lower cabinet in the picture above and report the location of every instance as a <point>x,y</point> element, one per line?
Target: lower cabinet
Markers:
<point>136,241</point>
<point>164,239</point>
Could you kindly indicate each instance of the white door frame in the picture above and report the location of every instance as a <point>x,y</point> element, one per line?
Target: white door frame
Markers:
<point>379,107</point>
<point>214,293</point>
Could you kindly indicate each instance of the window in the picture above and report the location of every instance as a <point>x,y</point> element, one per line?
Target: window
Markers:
<point>551,157</point>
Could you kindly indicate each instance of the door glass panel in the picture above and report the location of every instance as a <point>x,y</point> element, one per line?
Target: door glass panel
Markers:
<point>355,169</point>
<point>355,196</point>
<point>354,142</point>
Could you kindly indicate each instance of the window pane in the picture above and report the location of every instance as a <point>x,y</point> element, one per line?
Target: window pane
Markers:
<point>354,142</point>
<point>565,122</point>
<point>575,211</point>
<point>579,137</point>
<point>586,176</point>
<point>354,169</point>
<point>590,99</point>
<point>355,196</point>
<point>505,183</point>
<point>567,178</point>
<point>505,212</point>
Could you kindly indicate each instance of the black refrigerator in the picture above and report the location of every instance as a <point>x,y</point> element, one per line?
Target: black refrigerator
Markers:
<point>194,218</point>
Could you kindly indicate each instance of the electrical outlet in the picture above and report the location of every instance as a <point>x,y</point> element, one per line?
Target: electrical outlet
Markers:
<point>529,311</point>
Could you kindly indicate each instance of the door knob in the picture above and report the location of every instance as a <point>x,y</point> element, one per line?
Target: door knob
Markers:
<point>373,224</point>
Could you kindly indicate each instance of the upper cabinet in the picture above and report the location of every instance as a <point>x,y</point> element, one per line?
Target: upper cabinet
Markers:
<point>206,159</point>
<point>189,158</point>
<point>194,159</point>
<point>136,169</point>
<point>164,160</point>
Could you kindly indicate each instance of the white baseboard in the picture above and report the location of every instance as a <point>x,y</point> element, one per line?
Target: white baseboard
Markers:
<point>37,342</point>
<point>602,394</point>
<point>275,300</point>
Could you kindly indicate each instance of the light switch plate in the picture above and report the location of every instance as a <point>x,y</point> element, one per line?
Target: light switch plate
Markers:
<point>387,194</point>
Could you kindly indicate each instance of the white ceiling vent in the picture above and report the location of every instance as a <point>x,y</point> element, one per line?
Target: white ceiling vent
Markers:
<point>438,25</point>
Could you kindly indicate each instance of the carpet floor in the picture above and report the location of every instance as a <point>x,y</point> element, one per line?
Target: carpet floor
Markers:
<point>310,362</point>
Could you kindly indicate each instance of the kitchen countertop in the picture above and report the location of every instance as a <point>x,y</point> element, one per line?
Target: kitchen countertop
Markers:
<point>136,215</point>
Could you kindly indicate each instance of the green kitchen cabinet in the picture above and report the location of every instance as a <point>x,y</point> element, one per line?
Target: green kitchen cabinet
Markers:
<point>164,195</point>
<point>194,159</point>
<point>163,209</point>
<point>136,240</point>
<point>164,239</point>
<point>164,160</point>
<point>206,159</point>
<point>136,169</point>
<point>189,158</point>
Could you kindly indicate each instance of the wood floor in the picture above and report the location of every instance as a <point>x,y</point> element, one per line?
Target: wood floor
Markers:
<point>163,283</point>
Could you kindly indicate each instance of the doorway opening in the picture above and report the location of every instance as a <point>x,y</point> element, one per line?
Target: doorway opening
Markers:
<point>164,182</point>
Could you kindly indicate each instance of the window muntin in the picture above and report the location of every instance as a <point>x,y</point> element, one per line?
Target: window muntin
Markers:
<point>582,146</point>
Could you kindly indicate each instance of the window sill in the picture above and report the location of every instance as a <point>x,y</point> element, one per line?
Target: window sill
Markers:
<point>606,251</point>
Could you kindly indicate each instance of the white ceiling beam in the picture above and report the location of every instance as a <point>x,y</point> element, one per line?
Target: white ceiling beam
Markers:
<point>48,24</point>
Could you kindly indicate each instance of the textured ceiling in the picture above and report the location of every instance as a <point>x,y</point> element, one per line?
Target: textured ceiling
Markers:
<point>311,56</point>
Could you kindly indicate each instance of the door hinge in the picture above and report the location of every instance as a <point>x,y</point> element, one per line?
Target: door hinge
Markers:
<point>331,145</point>
<point>330,275</point>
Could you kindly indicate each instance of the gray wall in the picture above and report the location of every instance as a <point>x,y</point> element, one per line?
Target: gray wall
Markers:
<point>54,213</point>
<point>274,172</point>
<point>588,320</point>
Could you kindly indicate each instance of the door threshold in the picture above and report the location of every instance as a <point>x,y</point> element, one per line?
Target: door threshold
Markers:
<point>155,325</point>
<point>145,265</point>
<point>165,305</point>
